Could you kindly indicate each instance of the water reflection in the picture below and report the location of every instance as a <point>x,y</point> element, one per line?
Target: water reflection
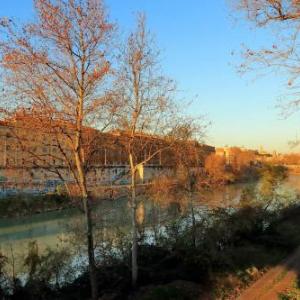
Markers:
<point>50,228</point>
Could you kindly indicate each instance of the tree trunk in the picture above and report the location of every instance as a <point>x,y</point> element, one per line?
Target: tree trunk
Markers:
<point>134,263</point>
<point>91,253</point>
<point>89,228</point>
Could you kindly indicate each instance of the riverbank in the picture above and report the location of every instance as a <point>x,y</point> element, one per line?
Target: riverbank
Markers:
<point>215,257</point>
<point>27,205</point>
<point>202,248</point>
<point>21,205</point>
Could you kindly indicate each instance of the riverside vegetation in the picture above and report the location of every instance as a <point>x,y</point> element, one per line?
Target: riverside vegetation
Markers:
<point>200,253</point>
<point>217,173</point>
<point>21,205</point>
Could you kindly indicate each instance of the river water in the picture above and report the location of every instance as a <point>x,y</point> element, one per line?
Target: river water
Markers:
<point>48,229</point>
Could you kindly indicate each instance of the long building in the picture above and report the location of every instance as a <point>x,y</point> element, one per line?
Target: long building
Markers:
<point>30,157</point>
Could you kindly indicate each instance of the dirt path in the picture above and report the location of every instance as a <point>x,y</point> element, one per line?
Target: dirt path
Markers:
<point>276,280</point>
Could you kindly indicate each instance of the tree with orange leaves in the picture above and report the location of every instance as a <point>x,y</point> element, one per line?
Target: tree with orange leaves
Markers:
<point>215,166</point>
<point>58,66</point>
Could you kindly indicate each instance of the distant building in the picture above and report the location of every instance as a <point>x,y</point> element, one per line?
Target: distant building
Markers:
<point>238,156</point>
<point>27,151</point>
<point>254,156</point>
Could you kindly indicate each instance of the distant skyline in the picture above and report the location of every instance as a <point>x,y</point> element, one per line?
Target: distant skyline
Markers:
<point>197,39</point>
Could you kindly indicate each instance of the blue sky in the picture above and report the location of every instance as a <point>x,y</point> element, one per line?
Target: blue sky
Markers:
<point>197,39</point>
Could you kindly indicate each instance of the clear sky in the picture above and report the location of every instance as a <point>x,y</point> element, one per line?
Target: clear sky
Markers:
<point>197,38</point>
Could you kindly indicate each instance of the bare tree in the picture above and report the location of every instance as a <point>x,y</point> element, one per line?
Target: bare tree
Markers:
<point>264,12</point>
<point>282,17</point>
<point>149,116</point>
<point>57,68</point>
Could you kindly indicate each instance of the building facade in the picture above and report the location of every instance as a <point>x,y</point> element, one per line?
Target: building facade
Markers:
<point>33,160</point>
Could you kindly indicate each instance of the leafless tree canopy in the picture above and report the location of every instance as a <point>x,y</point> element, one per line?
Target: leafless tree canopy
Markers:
<point>149,105</point>
<point>63,56</point>
<point>281,19</point>
<point>266,11</point>
<point>57,69</point>
<point>145,92</point>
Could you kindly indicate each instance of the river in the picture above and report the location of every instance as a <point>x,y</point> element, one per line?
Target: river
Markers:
<point>48,229</point>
